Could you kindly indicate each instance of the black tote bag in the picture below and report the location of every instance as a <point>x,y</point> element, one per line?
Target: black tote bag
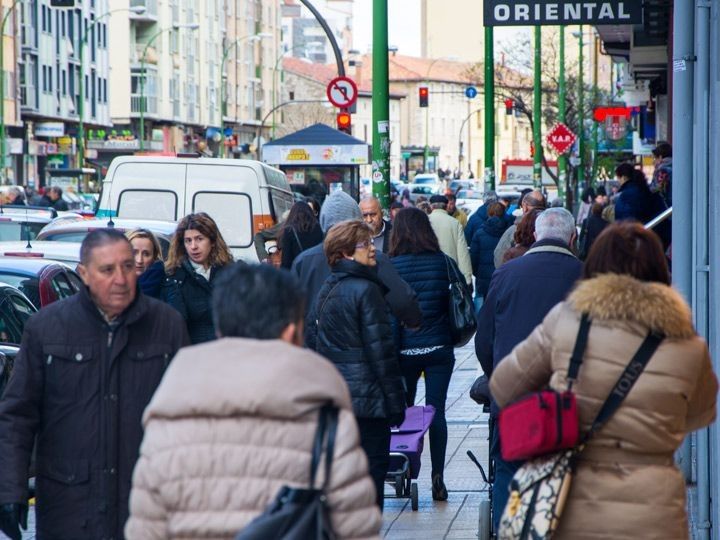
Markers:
<point>301,513</point>
<point>461,310</point>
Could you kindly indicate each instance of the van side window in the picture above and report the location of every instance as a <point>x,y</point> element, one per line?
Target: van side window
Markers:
<point>143,203</point>
<point>281,202</point>
<point>231,211</point>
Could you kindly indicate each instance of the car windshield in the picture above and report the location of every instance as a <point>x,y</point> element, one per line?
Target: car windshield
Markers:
<point>28,285</point>
<point>70,236</point>
<point>19,230</point>
<point>426,180</point>
<point>468,194</point>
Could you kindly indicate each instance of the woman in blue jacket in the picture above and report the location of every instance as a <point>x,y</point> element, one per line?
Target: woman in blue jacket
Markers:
<point>482,248</point>
<point>416,255</point>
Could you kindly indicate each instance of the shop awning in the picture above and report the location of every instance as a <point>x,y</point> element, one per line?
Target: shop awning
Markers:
<point>316,145</point>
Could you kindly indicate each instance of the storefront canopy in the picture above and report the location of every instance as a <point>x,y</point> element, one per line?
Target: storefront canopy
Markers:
<point>316,145</point>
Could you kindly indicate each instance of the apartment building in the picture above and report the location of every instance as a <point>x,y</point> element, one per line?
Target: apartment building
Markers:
<point>64,54</point>
<point>11,111</point>
<point>304,37</point>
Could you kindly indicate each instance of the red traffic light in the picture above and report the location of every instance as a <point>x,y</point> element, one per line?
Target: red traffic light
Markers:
<point>344,122</point>
<point>509,104</point>
<point>423,95</point>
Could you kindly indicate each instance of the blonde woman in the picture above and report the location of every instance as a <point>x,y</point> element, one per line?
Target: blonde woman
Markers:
<point>149,266</point>
<point>197,256</point>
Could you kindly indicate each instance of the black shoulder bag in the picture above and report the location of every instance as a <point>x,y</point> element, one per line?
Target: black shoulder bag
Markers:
<point>301,513</point>
<point>461,309</point>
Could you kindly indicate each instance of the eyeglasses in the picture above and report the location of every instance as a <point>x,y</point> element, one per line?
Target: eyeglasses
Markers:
<point>364,245</point>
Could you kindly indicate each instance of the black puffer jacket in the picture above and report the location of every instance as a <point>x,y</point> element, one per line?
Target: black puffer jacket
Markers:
<point>350,325</point>
<point>191,294</point>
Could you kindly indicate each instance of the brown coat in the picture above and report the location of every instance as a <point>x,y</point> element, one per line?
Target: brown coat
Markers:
<point>231,423</point>
<point>626,485</point>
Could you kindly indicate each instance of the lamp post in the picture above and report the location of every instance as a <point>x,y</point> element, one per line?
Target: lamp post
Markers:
<point>427,111</point>
<point>3,141</point>
<point>191,26</point>
<point>223,97</point>
<point>274,87</point>
<point>137,10</point>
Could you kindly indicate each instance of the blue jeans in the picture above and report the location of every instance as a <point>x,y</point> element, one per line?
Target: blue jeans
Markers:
<point>504,472</point>
<point>438,367</point>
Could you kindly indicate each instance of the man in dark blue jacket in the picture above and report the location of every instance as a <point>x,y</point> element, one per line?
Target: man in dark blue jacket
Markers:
<point>521,293</point>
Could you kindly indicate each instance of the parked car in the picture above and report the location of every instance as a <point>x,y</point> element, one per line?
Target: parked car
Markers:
<point>469,200</point>
<point>43,281</point>
<point>456,185</point>
<point>7,359</point>
<point>15,310</point>
<point>64,252</point>
<point>76,231</point>
<point>426,178</point>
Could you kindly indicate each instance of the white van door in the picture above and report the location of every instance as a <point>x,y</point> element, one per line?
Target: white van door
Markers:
<point>147,190</point>
<point>230,195</point>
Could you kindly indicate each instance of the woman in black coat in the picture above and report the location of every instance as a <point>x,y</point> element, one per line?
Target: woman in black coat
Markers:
<point>300,231</point>
<point>350,325</point>
<point>149,266</point>
<point>415,253</point>
<point>196,258</point>
<point>482,247</point>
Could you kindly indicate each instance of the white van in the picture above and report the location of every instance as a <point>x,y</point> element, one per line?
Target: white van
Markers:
<point>242,196</point>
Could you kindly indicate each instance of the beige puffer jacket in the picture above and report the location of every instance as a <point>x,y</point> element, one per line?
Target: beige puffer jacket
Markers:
<point>231,423</point>
<point>626,486</point>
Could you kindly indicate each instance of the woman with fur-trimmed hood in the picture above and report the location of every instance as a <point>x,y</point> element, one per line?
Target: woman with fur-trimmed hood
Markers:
<point>626,484</point>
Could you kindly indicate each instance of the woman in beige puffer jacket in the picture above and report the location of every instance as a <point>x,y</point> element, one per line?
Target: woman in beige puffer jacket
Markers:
<point>626,485</point>
<point>224,433</point>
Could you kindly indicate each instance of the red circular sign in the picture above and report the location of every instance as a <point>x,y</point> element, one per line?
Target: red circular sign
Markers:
<point>342,92</point>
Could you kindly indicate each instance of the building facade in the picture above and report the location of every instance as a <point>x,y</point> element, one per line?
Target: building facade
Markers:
<point>304,37</point>
<point>11,105</point>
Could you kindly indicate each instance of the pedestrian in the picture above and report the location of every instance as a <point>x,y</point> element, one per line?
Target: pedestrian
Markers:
<point>53,198</point>
<point>15,196</point>
<point>450,235</point>
<point>312,269</point>
<point>301,231</point>
<point>625,289</point>
<point>405,198</point>
<point>416,254</point>
<point>483,247</point>
<point>524,236</point>
<point>593,225</point>
<point>196,258</point>
<point>662,174</point>
<point>521,292</point>
<point>395,207</point>
<point>350,325</point>
<point>425,207</point>
<point>454,211</point>
<point>315,206</point>
<point>478,217</point>
<point>633,200</point>
<point>229,439</point>
<point>587,198</point>
<point>149,265</point>
<point>531,200</point>
<point>373,216</point>
<point>87,368</point>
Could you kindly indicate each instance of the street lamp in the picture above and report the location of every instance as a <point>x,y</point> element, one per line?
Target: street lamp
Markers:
<point>275,70</point>
<point>191,26</point>
<point>137,10</point>
<point>223,97</point>
<point>3,142</point>
<point>427,109</point>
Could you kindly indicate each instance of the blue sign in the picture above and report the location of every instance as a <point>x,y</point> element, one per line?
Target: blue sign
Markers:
<point>471,92</point>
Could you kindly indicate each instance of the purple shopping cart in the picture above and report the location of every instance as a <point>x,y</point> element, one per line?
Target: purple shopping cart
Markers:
<point>406,446</point>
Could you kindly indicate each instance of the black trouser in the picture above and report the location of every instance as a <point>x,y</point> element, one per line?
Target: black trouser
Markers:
<point>375,440</point>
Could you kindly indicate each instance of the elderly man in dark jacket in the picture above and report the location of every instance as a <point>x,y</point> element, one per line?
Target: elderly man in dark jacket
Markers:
<point>522,291</point>
<point>312,268</point>
<point>86,370</point>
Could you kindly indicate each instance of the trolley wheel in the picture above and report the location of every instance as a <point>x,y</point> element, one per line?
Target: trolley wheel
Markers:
<point>484,526</point>
<point>408,484</point>
<point>399,484</point>
<point>414,497</point>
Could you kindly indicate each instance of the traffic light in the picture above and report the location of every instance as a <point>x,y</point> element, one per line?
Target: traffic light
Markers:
<point>423,95</point>
<point>532,149</point>
<point>344,122</point>
<point>509,104</point>
<point>62,3</point>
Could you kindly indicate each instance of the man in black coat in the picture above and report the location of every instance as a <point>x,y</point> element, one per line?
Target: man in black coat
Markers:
<point>521,293</point>
<point>87,368</point>
<point>373,216</point>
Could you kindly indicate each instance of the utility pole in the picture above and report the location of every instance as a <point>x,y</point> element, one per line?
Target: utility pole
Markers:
<point>593,179</point>
<point>537,111</point>
<point>380,105</point>
<point>581,117</point>
<point>489,95</point>
<point>562,158</point>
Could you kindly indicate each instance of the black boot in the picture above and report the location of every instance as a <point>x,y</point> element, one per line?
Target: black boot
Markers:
<point>439,492</point>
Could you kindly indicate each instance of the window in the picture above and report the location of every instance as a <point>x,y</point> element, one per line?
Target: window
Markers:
<point>28,285</point>
<point>62,286</point>
<point>141,203</point>
<point>231,211</point>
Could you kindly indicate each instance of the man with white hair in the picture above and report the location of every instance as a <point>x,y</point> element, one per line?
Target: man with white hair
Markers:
<point>522,291</point>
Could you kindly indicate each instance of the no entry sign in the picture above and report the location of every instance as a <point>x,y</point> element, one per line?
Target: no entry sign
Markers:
<point>560,138</point>
<point>557,12</point>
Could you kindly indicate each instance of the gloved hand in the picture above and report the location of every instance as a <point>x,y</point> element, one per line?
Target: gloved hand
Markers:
<point>396,419</point>
<point>12,517</point>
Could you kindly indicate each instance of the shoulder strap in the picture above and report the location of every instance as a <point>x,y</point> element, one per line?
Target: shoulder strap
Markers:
<point>330,445</point>
<point>625,383</point>
<point>297,239</point>
<point>579,350</point>
<point>327,423</point>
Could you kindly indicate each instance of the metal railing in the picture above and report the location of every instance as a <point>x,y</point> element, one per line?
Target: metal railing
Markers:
<point>151,8</point>
<point>136,102</point>
<point>657,220</point>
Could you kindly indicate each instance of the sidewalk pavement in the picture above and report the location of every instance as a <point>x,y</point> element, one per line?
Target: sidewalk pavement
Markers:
<point>467,430</point>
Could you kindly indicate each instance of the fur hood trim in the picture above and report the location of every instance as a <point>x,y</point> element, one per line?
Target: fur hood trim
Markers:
<point>619,297</point>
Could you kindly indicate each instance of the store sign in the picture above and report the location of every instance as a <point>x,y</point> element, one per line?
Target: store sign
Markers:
<point>49,129</point>
<point>554,12</point>
<point>356,154</point>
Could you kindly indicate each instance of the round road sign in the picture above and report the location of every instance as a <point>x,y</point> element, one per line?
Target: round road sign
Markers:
<point>471,92</point>
<point>342,92</point>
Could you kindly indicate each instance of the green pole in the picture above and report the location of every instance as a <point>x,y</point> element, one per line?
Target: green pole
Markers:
<point>81,105</point>
<point>593,179</point>
<point>581,117</point>
<point>562,158</point>
<point>3,142</point>
<point>537,111</point>
<point>381,105</point>
<point>489,109</point>
<point>223,97</point>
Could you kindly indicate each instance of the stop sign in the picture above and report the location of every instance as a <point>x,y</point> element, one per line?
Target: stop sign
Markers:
<point>560,138</point>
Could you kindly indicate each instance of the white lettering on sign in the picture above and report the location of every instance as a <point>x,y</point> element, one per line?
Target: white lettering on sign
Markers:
<point>542,12</point>
<point>522,12</point>
<point>605,12</point>
<point>502,12</point>
<point>589,8</point>
<point>572,11</point>
<point>551,12</point>
<point>621,11</point>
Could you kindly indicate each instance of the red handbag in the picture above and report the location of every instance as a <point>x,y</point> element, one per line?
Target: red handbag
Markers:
<point>545,421</point>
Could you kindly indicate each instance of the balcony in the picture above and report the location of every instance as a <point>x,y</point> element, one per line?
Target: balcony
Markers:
<point>151,105</point>
<point>151,11</point>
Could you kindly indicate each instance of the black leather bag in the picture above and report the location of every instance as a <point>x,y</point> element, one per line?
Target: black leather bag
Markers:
<point>301,513</point>
<point>461,310</point>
